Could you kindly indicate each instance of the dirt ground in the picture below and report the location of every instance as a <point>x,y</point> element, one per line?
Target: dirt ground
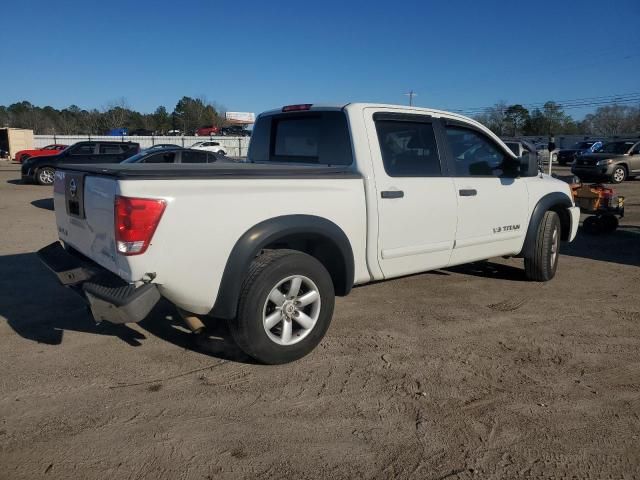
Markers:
<point>470,372</point>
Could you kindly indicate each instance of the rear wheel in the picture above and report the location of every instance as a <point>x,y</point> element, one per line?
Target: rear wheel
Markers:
<point>619,174</point>
<point>542,264</point>
<point>285,307</point>
<point>45,176</point>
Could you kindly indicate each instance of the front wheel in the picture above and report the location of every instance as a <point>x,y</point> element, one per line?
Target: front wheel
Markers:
<point>285,308</point>
<point>542,263</point>
<point>619,174</point>
<point>45,176</point>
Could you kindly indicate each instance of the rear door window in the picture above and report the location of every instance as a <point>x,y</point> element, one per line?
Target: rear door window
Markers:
<point>163,157</point>
<point>110,149</point>
<point>310,137</point>
<point>84,149</point>
<point>408,149</point>
<point>194,157</point>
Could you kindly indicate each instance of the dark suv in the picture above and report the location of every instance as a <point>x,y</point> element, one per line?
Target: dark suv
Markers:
<point>42,169</point>
<point>614,161</point>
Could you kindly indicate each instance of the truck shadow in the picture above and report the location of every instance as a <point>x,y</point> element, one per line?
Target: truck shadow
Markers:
<point>216,341</point>
<point>621,247</point>
<point>488,269</point>
<point>37,308</point>
<point>44,203</point>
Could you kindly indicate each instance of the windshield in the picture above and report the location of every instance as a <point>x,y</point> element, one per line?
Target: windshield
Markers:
<point>618,148</point>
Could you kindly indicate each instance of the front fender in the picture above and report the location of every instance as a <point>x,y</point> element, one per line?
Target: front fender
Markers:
<point>558,202</point>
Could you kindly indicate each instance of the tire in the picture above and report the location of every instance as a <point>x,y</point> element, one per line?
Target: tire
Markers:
<point>272,337</point>
<point>45,176</point>
<point>542,265</point>
<point>619,174</point>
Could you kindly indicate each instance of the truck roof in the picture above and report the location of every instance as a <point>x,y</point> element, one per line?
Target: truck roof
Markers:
<point>359,106</point>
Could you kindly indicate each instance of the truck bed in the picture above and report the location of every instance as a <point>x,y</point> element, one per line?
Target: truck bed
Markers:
<point>142,171</point>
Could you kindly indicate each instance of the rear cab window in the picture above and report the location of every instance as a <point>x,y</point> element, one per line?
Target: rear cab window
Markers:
<point>313,137</point>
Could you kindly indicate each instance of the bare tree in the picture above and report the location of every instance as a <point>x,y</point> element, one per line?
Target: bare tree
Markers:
<point>116,113</point>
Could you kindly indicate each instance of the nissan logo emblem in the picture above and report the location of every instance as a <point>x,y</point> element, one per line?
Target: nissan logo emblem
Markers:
<point>73,188</point>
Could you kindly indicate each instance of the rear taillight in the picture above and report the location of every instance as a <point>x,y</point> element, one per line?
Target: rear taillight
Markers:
<point>136,219</point>
<point>297,108</point>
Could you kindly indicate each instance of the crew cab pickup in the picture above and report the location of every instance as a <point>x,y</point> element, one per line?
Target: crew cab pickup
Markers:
<point>330,197</point>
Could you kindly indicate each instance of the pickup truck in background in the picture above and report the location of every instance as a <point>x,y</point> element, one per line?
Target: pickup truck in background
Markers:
<point>331,197</point>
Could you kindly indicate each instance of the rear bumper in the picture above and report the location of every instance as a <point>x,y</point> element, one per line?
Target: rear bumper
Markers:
<point>110,298</point>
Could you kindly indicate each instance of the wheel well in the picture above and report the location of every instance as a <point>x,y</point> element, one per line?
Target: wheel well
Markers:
<point>565,220</point>
<point>323,249</point>
<point>622,165</point>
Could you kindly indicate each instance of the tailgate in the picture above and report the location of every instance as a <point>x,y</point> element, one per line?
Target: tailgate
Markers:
<point>84,207</point>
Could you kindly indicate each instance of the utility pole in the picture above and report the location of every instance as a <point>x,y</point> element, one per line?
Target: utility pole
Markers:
<point>411,94</point>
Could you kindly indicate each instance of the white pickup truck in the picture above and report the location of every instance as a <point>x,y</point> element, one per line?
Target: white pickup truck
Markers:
<point>330,197</point>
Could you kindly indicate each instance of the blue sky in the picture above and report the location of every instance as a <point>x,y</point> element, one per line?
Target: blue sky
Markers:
<point>254,55</point>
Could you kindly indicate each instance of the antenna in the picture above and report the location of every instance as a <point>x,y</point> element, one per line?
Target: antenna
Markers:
<point>411,94</point>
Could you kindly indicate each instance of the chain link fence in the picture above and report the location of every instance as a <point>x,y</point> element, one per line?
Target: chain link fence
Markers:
<point>233,146</point>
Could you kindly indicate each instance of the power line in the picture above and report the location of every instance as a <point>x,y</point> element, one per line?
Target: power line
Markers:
<point>568,104</point>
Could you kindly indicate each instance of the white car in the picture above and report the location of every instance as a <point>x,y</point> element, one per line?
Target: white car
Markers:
<point>214,147</point>
<point>331,197</point>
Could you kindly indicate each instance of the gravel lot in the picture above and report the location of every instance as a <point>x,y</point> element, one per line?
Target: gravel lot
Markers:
<point>464,373</point>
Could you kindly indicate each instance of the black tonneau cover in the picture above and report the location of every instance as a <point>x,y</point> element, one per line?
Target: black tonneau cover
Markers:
<point>141,171</point>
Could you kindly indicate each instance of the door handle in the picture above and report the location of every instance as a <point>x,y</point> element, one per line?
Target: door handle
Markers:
<point>468,192</point>
<point>392,194</point>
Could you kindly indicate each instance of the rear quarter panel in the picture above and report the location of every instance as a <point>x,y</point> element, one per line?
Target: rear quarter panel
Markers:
<point>205,218</point>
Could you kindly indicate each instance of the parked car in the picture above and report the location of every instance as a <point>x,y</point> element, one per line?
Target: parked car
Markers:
<point>175,155</point>
<point>323,204</point>
<point>41,170</point>
<point>141,132</point>
<point>52,149</point>
<point>174,133</point>
<point>235,130</point>
<point>545,155</point>
<point>207,131</point>
<point>568,155</point>
<point>614,161</point>
<point>210,147</point>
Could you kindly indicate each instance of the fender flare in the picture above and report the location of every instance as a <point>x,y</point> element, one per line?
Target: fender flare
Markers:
<point>547,202</point>
<point>266,233</point>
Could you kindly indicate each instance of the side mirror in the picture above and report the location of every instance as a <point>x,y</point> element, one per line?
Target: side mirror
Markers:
<point>529,165</point>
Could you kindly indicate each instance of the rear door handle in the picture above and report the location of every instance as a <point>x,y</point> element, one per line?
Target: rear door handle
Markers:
<point>468,192</point>
<point>392,194</point>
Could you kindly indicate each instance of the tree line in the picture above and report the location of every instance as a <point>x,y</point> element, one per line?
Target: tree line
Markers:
<point>192,113</point>
<point>188,115</point>
<point>516,120</point>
